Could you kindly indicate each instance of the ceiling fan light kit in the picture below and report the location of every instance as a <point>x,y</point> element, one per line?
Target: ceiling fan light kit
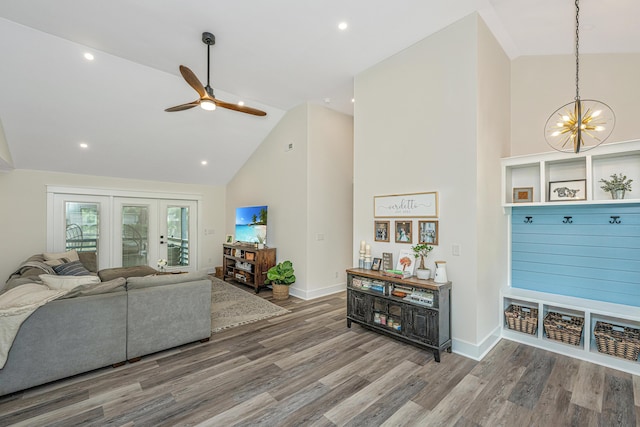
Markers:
<point>582,124</point>
<point>207,100</point>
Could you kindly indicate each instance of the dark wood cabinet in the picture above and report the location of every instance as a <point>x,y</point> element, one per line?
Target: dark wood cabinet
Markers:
<point>412,310</point>
<point>247,264</point>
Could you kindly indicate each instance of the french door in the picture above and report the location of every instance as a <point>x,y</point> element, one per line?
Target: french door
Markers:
<point>125,231</point>
<point>150,230</point>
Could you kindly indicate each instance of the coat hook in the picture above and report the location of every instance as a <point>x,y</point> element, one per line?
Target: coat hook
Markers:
<point>615,220</point>
<point>567,220</point>
<point>528,219</point>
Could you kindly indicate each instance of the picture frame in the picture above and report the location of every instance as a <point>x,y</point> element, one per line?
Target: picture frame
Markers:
<point>428,232</point>
<point>381,231</point>
<point>375,264</point>
<point>414,205</point>
<point>403,231</point>
<point>387,261</point>
<point>568,191</point>
<point>229,239</point>
<point>406,261</point>
<point>522,194</point>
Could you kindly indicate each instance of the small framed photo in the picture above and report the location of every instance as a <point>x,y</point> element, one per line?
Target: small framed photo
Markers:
<point>565,191</point>
<point>403,231</point>
<point>229,239</point>
<point>522,194</point>
<point>381,231</point>
<point>428,232</point>
<point>375,265</point>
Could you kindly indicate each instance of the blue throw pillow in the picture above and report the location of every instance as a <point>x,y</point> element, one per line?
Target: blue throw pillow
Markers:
<point>73,268</point>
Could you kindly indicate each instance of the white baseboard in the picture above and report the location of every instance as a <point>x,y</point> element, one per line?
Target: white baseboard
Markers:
<point>317,293</point>
<point>476,351</point>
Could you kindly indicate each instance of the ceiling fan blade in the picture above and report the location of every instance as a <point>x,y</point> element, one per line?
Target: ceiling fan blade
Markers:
<point>183,106</point>
<point>241,108</point>
<point>193,81</point>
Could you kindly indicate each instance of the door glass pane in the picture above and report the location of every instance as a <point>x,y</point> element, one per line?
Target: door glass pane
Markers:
<point>177,236</point>
<point>135,235</point>
<point>82,226</point>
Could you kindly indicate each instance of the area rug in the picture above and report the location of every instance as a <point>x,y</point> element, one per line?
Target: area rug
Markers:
<point>231,306</point>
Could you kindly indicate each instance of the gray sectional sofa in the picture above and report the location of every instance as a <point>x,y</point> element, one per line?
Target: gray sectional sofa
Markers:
<point>70,336</point>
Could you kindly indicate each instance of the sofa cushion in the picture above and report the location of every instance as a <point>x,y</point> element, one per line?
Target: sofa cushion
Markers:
<point>73,268</point>
<point>71,255</point>
<point>137,271</point>
<point>87,289</point>
<point>165,279</point>
<point>67,282</point>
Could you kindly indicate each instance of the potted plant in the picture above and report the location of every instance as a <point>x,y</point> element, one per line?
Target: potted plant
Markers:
<point>281,276</point>
<point>422,251</point>
<point>617,185</point>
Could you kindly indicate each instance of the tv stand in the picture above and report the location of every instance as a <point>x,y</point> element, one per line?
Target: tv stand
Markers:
<point>246,264</point>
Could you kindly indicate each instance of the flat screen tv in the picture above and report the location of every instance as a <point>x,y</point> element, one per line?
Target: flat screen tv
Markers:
<point>251,224</point>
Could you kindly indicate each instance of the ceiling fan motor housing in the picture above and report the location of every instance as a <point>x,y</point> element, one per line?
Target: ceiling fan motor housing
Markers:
<point>208,38</point>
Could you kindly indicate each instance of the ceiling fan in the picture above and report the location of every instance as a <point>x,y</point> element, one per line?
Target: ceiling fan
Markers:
<point>207,101</point>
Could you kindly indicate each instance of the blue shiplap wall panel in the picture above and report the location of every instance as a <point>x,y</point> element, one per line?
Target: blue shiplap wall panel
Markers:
<point>592,255</point>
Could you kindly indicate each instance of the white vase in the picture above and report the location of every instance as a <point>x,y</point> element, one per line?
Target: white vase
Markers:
<point>423,273</point>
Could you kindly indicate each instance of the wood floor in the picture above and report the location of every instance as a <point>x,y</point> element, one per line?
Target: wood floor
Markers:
<point>307,368</point>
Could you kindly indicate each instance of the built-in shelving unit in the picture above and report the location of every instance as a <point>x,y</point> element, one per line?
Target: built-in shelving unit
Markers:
<point>537,171</point>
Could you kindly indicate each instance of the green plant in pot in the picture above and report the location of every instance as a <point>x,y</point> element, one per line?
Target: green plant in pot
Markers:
<point>617,185</point>
<point>281,276</point>
<point>422,251</point>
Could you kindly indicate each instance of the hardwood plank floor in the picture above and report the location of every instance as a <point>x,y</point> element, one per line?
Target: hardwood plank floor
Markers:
<point>306,368</point>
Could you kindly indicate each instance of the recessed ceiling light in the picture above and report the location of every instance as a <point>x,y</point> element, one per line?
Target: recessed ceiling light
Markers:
<point>88,56</point>
<point>343,26</point>
<point>84,145</point>
<point>241,103</point>
<point>204,162</point>
<point>353,100</point>
<point>327,100</point>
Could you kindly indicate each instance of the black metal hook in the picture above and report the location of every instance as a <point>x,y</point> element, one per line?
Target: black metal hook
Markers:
<point>615,220</point>
<point>567,220</point>
<point>528,219</point>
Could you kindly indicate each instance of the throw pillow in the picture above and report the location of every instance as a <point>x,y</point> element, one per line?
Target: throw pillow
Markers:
<point>73,268</point>
<point>89,260</point>
<point>98,288</point>
<point>67,282</point>
<point>71,255</point>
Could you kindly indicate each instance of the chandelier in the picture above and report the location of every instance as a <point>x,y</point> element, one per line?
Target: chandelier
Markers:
<point>582,124</point>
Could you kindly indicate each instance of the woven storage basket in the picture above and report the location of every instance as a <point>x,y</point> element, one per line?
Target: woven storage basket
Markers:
<point>522,319</point>
<point>617,340</point>
<point>563,328</point>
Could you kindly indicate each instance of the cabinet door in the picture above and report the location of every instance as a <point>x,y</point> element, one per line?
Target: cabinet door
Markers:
<point>422,324</point>
<point>357,306</point>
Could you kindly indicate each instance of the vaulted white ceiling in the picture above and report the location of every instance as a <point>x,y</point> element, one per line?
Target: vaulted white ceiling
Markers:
<point>273,55</point>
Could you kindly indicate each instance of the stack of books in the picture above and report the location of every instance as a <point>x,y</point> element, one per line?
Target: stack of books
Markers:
<point>396,273</point>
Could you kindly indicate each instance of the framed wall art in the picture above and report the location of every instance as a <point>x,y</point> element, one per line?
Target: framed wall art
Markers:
<point>563,191</point>
<point>387,261</point>
<point>403,231</point>
<point>375,265</point>
<point>406,261</point>
<point>416,205</point>
<point>381,231</point>
<point>229,239</point>
<point>428,232</point>
<point>522,194</point>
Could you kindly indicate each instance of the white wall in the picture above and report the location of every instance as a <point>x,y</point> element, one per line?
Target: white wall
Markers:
<point>308,191</point>
<point>6,162</point>
<point>24,208</point>
<point>542,84</point>
<point>435,117</point>
<point>493,120</point>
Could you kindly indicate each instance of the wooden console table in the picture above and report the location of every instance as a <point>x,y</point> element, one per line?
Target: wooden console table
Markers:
<point>422,317</point>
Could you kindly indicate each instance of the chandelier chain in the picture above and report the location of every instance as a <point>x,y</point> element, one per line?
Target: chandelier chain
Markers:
<point>577,98</point>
